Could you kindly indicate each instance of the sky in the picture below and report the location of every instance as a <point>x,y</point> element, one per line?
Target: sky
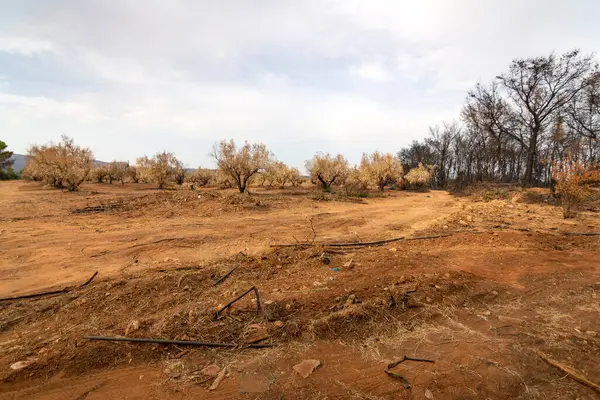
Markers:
<point>134,77</point>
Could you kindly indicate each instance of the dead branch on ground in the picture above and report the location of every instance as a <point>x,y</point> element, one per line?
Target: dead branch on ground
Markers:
<point>51,292</point>
<point>226,306</point>
<point>569,371</point>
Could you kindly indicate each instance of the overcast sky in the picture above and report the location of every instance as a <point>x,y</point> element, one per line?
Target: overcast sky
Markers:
<point>129,78</point>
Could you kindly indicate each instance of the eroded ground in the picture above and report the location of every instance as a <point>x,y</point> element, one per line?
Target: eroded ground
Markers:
<point>503,279</point>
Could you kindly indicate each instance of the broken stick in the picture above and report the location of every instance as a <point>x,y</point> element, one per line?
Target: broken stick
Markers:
<point>226,306</point>
<point>569,371</point>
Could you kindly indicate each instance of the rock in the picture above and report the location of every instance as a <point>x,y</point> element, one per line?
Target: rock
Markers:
<point>469,218</point>
<point>306,367</point>
<point>107,294</point>
<point>462,222</point>
<point>393,249</point>
<point>278,324</point>
<point>428,394</point>
<point>510,320</point>
<point>132,327</point>
<point>445,227</point>
<point>269,302</point>
<point>486,312</point>
<point>212,370</point>
<point>257,336</point>
<point>218,379</point>
<point>569,223</point>
<point>19,365</point>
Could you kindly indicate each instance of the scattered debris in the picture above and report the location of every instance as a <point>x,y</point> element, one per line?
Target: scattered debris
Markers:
<point>335,269</point>
<point>218,379</point>
<point>569,371</point>
<point>226,306</point>
<point>306,367</point>
<point>211,370</point>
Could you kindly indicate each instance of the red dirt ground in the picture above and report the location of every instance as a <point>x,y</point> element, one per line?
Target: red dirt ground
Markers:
<point>509,278</point>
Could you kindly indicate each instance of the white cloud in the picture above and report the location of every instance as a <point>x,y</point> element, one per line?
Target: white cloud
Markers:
<point>372,72</point>
<point>25,46</point>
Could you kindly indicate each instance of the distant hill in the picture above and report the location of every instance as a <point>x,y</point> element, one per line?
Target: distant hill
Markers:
<point>20,159</point>
<point>19,163</point>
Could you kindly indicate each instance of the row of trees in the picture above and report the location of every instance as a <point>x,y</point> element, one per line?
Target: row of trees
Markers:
<point>514,129</point>
<point>66,165</point>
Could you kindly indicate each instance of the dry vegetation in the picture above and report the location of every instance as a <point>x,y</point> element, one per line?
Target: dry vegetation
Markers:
<point>495,280</point>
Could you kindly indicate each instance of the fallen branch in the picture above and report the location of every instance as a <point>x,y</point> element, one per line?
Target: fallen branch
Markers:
<point>93,389</point>
<point>176,342</point>
<point>407,358</point>
<point>429,237</point>
<point>569,371</point>
<point>226,306</point>
<point>51,292</point>
<point>157,241</point>
<point>221,279</point>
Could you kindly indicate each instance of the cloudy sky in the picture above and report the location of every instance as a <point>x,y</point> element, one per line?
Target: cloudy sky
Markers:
<point>133,77</point>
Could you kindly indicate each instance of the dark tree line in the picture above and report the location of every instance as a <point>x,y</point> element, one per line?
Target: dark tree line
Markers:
<point>543,109</point>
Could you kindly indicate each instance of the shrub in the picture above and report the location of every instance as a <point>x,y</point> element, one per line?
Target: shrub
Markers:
<point>573,182</point>
<point>201,177</point>
<point>495,194</point>
<point>356,185</point>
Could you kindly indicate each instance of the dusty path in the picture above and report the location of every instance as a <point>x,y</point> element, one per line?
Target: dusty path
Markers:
<point>44,245</point>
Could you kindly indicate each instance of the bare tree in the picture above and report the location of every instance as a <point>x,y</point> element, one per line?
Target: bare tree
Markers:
<point>539,88</point>
<point>243,163</point>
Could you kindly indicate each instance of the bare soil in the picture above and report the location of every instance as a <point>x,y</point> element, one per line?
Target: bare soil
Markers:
<point>494,282</point>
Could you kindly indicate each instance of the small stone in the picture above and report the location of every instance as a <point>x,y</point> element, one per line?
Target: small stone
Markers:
<point>469,218</point>
<point>427,299</point>
<point>487,312</point>
<point>278,324</point>
<point>288,306</point>
<point>393,249</point>
<point>428,394</point>
<point>269,302</point>
<point>107,294</point>
<point>257,336</point>
<point>306,367</point>
<point>494,293</point>
<point>462,222</point>
<point>212,370</point>
<point>19,365</point>
<point>132,327</point>
<point>446,275</point>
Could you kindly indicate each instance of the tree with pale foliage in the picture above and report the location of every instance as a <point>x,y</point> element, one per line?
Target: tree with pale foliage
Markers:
<point>64,165</point>
<point>279,174</point>
<point>161,169</point>
<point>419,177</point>
<point>327,170</point>
<point>573,181</point>
<point>380,169</point>
<point>243,163</point>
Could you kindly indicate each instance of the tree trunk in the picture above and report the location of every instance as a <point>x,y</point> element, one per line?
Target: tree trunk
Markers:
<point>531,153</point>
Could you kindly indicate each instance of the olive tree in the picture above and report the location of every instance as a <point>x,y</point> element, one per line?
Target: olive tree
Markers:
<point>379,169</point>
<point>326,169</point>
<point>243,163</point>
<point>161,169</point>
